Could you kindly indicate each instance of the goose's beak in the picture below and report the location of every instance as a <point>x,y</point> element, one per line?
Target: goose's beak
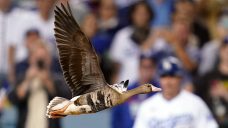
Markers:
<point>156,89</point>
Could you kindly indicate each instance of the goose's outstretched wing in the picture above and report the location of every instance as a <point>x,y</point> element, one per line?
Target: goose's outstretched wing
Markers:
<point>78,59</point>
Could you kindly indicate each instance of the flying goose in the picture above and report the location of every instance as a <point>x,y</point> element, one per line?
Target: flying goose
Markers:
<point>82,73</point>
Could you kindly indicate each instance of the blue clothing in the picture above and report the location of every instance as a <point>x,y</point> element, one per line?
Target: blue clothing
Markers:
<point>123,116</point>
<point>102,42</point>
<point>103,39</point>
<point>3,80</point>
<point>162,12</point>
<point>123,16</point>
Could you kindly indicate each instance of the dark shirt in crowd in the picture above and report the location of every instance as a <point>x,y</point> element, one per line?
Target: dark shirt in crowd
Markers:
<point>204,86</point>
<point>22,104</point>
<point>103,39</point>
<point>202,33</point>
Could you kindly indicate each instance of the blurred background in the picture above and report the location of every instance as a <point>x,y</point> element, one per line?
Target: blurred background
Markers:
<point>121,31</point>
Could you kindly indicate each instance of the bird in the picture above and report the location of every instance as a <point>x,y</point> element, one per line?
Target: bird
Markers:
<point>81,70</point>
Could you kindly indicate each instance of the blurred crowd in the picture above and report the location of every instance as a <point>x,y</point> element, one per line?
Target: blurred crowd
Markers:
<point>131,38</point>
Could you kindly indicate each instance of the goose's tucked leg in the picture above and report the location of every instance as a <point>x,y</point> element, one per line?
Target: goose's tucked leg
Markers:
<point>61,107</point>
<point>57,107</point>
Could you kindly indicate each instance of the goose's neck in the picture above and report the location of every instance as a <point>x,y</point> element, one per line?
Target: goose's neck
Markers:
<point>133,92</point>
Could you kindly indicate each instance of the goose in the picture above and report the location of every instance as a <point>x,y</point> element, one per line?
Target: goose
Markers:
<point>82,73</point>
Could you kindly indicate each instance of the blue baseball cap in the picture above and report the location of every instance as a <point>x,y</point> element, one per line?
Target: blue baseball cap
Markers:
<point>170,66</point>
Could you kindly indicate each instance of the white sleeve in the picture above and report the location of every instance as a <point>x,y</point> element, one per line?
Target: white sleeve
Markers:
<point>117,48</point>
<point>204,117</point>
<point>11,35</point>
<point>17,29</point>
<point>115,51</point>
<point>141,120</point>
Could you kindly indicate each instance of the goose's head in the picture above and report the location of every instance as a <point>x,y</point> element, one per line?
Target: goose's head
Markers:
<point>147,88</point>
<point>143,89</point>
<point>124,84</point>
<point>121,87</point>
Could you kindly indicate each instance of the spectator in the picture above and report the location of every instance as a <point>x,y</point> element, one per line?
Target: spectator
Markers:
<point>34,88</point>
<point>4,45</point>
<point>173,107</point>
<point>89,25</point>
<point>108,25</point>
<point>189,8</point>
<point>43,21</point>
<point>127,43</point>
<point>8,15</point>
<point>3,74</point>
<point>123,116</point>
<point>208,62</point>
<point>31,37</point>
<point>123,10</point>
<point>212,87</point>
<point>180,42</point>
<point>107,15</point>
<point>208,12</point>
<point>183,43</point>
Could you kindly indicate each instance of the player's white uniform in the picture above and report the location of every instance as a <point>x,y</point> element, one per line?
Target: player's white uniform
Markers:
<point>186,110</point>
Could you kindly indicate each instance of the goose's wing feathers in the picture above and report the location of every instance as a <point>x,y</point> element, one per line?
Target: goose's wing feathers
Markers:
<point>78,59</point>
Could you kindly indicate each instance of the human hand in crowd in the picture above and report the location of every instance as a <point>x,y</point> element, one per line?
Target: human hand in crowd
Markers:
<point>219,90</point>
<point>175,41</point>
<point>154,35</point>
<point>47,82</point>
<point>170,37</point>
<point>31,73</point>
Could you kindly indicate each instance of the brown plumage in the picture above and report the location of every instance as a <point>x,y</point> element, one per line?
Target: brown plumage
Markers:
<point>77,56</point>
<point>82,72</point>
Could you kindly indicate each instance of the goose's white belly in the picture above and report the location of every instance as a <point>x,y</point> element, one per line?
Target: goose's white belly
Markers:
<point>77,110</point>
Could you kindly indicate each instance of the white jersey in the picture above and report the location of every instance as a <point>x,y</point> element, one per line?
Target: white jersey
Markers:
<point>125,52</point>
<point>8,27</point>
<point>32,20</point>
<point>184,111</point>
